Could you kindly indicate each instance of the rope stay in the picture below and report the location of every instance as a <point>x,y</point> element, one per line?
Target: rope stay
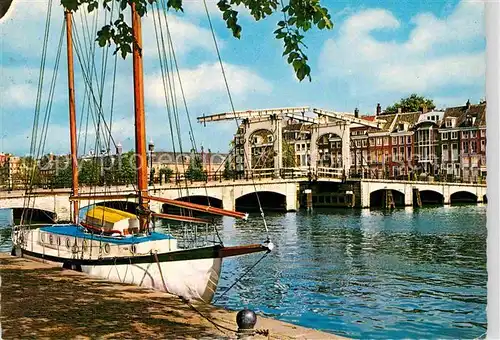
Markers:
<point>245,156</point>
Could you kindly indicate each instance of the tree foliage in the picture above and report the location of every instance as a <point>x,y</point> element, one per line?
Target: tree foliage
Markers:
<point>195,170</point>
<point>298,16</point>
<point>288,154</point>
<point>413,103</point>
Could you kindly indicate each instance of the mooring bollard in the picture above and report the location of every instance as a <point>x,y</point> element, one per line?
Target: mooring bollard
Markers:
<point>246,320</point>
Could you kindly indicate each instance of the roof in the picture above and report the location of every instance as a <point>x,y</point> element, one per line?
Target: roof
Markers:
<point>368,118</point>
<point>388,120</point>
<point>410,118</point>
<point>462,112</point>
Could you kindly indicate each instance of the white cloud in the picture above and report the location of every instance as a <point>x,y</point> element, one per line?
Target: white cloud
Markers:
<point>18,88</point>
<point>186,36</point>
<point>436,54</point>
<point>205,82</point>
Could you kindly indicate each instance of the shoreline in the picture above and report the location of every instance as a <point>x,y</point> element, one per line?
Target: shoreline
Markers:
<point>44,301</point>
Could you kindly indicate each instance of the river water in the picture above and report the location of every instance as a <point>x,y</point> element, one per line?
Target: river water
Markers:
<point>413,273</point>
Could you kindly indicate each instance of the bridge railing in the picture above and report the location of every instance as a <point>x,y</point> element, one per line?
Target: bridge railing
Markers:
<point>284,173</point>
<point>324,172</point>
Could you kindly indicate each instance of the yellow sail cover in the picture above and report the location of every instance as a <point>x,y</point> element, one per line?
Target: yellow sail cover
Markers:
<point>112,219</point>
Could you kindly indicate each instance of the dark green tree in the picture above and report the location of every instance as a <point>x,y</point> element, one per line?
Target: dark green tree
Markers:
<point>288,154</point>
<point>4,174</point>
<point>296,17</point>
<point>413,103</point>
<point>228,172</point>
<point>165,174</point>
<point>89,172</point>
<point>124,169</point>
<point>195,171</point>
<point>62,177</point>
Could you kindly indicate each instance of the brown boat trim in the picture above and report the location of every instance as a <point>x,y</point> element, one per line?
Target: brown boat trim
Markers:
<point>199,207</point>
<point>181,218</point>
<point>217,251</point>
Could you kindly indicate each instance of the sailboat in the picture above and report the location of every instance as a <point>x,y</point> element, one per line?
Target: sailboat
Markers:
<point>119,246</point>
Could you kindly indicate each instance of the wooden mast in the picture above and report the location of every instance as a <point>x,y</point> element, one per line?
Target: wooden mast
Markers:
<point>140,124</point>
<point>72,114</point>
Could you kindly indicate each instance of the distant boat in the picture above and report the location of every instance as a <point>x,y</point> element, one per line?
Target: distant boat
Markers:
<point>120,246</point>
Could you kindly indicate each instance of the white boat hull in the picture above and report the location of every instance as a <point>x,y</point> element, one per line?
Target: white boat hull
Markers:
<point>191,279</point>
<point>161,265</point>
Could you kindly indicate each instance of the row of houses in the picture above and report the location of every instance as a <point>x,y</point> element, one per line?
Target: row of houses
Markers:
<point>446,144</point>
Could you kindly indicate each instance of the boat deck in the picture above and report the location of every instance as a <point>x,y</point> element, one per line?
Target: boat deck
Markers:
<point>78,231</point>
<point>43,301</point>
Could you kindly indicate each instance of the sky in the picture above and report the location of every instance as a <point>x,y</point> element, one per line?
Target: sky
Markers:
<point>379,51</point>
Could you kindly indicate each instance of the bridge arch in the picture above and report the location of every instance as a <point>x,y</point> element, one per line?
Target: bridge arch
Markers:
<point>35,215</point>
<point>472,190</point>
<point>463,197</point>
<point>128,206</point>
<point>431,197</point>
<point>378,198</point>
<point>261,143</point>
<point>197,199</point>
<point>270,200</point>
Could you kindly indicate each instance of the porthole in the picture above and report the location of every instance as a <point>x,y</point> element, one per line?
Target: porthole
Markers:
<point>68,243</point>
<point>58,241</point>
<point>106,248</point>
<point>51,239</point>
<point>133,249</point>
<point>84,245</point>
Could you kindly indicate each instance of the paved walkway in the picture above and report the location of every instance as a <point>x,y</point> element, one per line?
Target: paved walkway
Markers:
<point>39,300</point>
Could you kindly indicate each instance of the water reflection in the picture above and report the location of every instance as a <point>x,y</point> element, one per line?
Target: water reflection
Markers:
<point>409,273</point>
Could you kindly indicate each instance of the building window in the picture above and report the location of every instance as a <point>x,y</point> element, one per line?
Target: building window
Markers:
<point>408,153</point>
<point>402,140</point>
<point>454,152</point>
<point>465,147</point>
<point>448,123</point>
<point>379,141</point>
<point>372,141</point>
<point>386,140</point>
<point>483,133</point>
<point>394,154</point>
<point>465,134</point>
<point>444,152</point>
<point>402,153</point>
<point>483,145</point>
<point>473,146</point>
<point>364,143</point>
<point>444,136</point>
<point>454,135</point>
<point>358,143</point>
<point>394,140</point>
<point>408,140</point>
<point>473,134</point>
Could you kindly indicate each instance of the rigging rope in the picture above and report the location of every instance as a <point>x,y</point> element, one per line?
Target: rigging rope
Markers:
<point>245,156</point>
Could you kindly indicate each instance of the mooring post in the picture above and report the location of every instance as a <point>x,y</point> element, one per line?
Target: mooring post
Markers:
<point>308,193</point>
<point>246,320</point>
